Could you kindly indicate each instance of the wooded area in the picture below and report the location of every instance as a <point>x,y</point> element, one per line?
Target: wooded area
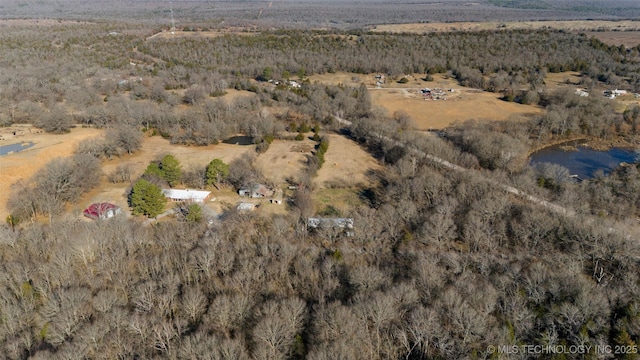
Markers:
<point>442,263</point>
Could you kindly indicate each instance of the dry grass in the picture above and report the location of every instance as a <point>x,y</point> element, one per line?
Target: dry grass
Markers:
<point>245,31</point>
<point>578,25</point>
<point>461,104</point>
<point>22,165</point>
<point>346,164</point>
<point>626,38</point>
<point>345,78</point>
<point>284,159</point>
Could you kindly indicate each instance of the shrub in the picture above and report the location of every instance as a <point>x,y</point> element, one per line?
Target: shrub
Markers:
<point>299,137</point>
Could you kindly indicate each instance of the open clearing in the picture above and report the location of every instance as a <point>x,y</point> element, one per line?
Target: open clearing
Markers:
<point>578,25</point>
<point>285,159</point>
<point>346,164</point>
<point>461,104</point>
<point>154,148</point>
<point>22,165</point>
<point>626,38</point>
<point>203,33</point>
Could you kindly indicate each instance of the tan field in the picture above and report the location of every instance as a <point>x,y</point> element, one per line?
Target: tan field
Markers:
<point>578,25</point>
<point>284,159</point>
<point>346,164</point>
<point>22,165</point>
<point>460,105</point>
<point>558,80</point>
<point>626,38</point>
<point>203,34</point>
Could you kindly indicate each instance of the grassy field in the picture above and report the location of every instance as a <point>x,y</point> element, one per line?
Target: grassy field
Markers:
<point>22,165</point>
<point>346,164</point>
<point>626,38</point>
<point>461,104</point>
<point>284,159</point>
<point>577,25</point>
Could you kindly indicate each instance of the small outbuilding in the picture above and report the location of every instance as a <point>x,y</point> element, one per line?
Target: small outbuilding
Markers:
<point>187,195</point>
<point>101,211</point>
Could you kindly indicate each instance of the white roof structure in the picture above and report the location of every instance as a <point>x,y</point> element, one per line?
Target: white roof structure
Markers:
<point>186,195</point>
<point>243,206</point>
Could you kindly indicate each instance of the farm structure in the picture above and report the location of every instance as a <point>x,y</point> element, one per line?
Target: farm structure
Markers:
<point>188,195</point>
<point>101,211</point>
<point>611,94</point>
<point>434,94</point>
<point>345,224</point>
<point>256,191</point>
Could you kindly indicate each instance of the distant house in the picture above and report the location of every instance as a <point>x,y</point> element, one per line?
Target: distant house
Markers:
<point>256,191</point>
<point>611,94</point>
<point>188,195</point>
<point>101,211</point>
<point>336,223</point>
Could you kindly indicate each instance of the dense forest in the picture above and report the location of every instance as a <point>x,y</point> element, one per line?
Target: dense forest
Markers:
<point>443,263</point>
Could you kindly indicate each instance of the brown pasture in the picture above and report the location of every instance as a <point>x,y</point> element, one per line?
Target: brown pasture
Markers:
<point>22,165</point>
<point>285,159</point>
<point>626,38</point>
<point>577,25</point>
<point>346,164</point>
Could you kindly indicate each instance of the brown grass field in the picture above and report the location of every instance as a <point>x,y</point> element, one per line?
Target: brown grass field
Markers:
<point>577,25</point>
<point>462,104</point>
<point>22,165</point>
<point>203,34</point>
<point>346,164</point>
<point>283,159</point>
<point>626,38</point>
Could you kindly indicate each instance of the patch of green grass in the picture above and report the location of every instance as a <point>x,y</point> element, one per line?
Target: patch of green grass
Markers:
<point>336,200</point>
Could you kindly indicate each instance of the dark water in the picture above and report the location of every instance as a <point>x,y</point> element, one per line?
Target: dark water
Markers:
<point>4,150</point>
<point>239,140</point>
<point>584,161</point>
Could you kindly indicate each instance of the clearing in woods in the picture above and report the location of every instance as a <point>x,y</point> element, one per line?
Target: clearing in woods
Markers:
<point>344,174</point>
<point>22,165</point>
<point>626,38</point>
<point>461,104</point>
<point>571,25</point>
<point>154,148</point>
<point>346,164</point>
<point>285,159</point>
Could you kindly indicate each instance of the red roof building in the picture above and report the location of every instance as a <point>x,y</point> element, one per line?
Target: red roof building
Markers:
<point>103,210</point>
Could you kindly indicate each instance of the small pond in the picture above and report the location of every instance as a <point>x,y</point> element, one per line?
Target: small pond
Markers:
<point>584,161</point>
<point>14,148</point>
<point>239,140</point>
